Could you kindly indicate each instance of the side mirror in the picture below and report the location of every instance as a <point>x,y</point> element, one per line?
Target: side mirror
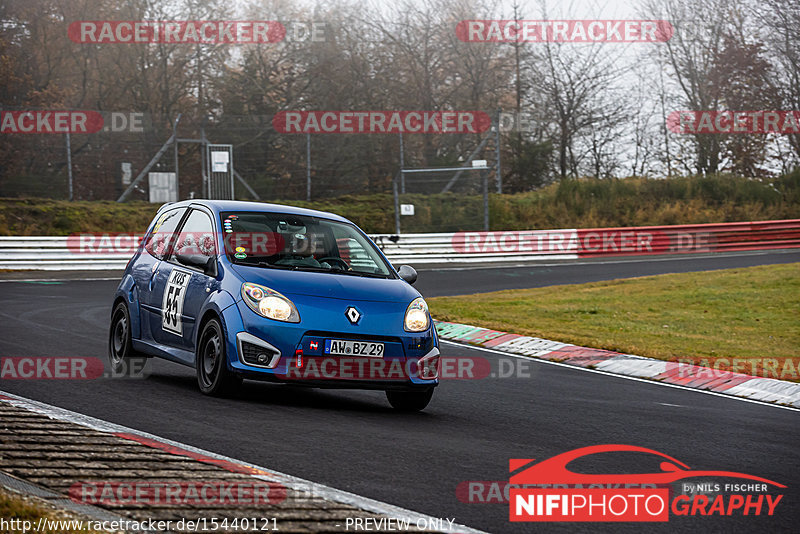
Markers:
<point>407,273</point>
<point>198,261</point>
<point>210,268</point>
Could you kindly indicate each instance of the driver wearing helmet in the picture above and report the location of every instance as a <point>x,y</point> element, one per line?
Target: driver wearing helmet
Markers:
<point>299,251</point>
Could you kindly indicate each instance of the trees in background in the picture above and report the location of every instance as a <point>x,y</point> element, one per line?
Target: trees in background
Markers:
<point>779,20</point>
<point>590,110</point>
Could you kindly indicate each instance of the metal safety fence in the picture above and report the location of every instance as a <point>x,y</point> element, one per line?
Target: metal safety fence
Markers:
<point>112,251</point>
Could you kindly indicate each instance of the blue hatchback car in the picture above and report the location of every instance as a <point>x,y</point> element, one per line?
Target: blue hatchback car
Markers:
<point>267,292</point>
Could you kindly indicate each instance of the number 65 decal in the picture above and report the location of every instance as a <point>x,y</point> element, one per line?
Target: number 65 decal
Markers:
<point>172,305</point>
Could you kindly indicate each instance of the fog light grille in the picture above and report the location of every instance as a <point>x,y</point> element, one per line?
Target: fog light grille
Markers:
<point>255,355</point>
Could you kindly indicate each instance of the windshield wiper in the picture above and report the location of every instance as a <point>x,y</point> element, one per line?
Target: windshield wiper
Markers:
<point>264,264</point>
<point>310,268</point>
<point>363,274</point>
<point>290,267</point>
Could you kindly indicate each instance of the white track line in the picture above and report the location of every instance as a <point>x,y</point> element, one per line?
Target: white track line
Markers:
<point>606,373</point>
<point>639,259</point>
<point>588,261</point>
<point>320,490</point>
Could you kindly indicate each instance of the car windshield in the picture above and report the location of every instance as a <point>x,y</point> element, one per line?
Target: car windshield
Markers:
<point>296,242</point>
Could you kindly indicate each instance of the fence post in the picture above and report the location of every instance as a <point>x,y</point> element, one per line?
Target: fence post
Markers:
<point>308,166</point>
<point>498,168</point>
<point>485,174</point>
<point>396,205</point>
<point>69,166</point>
<point>175,142</point>
<point>402,166</point>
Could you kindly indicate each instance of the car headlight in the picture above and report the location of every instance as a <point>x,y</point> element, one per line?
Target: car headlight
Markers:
<point>417,317</point>
<point>269,303</point>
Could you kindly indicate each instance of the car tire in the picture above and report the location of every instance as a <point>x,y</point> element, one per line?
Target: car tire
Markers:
<point>213,376</point>
<point>409,401</point>
<point>123,359</point>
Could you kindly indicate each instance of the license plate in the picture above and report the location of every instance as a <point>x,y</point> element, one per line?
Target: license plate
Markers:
<point>353,348</point>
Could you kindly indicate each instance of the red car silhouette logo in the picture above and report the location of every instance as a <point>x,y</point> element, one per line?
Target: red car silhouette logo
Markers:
<point>554,470</point>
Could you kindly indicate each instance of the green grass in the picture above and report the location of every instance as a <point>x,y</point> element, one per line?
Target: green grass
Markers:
<point>30,216</point>
<point>569,204</point>
<point>736,313</point>
<point>14,506</point>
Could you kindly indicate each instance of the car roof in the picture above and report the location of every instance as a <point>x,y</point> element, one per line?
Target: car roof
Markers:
<point>240,205</point>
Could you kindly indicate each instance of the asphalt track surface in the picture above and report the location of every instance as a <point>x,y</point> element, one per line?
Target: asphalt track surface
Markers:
<point>352,440</point>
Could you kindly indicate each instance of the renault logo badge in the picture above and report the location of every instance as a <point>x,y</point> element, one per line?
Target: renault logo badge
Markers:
<point>353,315</point>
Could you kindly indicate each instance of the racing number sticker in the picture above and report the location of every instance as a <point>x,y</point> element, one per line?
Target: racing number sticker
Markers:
<point>172,306</point>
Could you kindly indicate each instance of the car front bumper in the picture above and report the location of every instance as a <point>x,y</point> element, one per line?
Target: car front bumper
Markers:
<point>263,349</point>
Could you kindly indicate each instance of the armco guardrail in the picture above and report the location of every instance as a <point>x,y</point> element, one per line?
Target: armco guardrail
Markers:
<point>533,245</point>
<point>112,251</point>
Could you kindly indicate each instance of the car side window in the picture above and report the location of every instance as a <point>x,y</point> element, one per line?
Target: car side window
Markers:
<point>158,244</point>
<point>353,252</point>
<point>195,241</point>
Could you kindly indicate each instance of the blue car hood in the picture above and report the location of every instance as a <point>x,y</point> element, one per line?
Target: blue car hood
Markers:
<point>339,286</point>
